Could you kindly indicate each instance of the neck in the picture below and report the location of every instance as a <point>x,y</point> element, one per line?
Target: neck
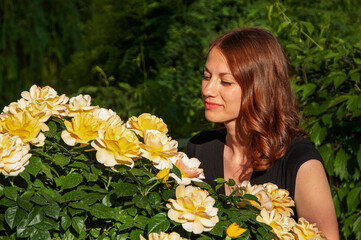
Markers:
<point>237,142</point>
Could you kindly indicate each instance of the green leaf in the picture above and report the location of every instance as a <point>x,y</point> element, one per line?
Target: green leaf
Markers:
<point>357,226</point>
<point>341,164</point>
<point>158,223</point>
<point>141,202</point>
<point>309,26</point>
<point>326,152</point>
<point>125,189</point>
<point>80,165</point>
<point>24,204</point>
<point>13,216</point>
<point>36,215</point>
<point>78,224</point>
<point>134,235</point>
<point>52,210</point>
<point>337,100</point>
<point>90,177</point>
<point>46,169</point>
<point>307,90</point>
<point>23,231</point>
<point>99,210</point>
<point>283,25</point>
<point>220,180</point>
<point>154,198</point>
<point>318,134</point>
<point>167,194</point>
<point>7,202</point>
<point>141,222</point>
<point>91,198</point>
<point>11,193</point>
<point>69,181</point>
<point>34,165</point>
<point>40,234</point>
<point>39,200</point>
<point>65,222</point>
<point>73,196</point>
<point>176,171</point>
<point>353,199</point>
<point>26,176</point>
<point>61,160</point>
<point>106,201</point>
<point>47,224</point>
<point>218,229</point>
<point>353,101</point>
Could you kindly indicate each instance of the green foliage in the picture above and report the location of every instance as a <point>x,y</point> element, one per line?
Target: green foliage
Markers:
<point>65,193</point>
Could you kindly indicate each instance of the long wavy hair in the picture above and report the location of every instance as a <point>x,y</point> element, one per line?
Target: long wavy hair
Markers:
<point>269,114</point>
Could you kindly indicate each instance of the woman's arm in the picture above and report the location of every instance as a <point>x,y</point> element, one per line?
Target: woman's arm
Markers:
<point>313,198</point>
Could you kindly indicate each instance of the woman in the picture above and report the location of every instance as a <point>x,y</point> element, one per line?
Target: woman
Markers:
<point>246,88</point>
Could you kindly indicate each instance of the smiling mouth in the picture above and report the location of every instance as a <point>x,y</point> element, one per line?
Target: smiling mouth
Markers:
<point>209,105</point>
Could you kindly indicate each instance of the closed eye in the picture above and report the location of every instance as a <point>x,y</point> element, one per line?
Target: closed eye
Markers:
<point>226,83</point>
<point>206,77</point>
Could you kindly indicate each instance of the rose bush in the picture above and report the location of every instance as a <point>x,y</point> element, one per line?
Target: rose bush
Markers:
<point>70,170</point>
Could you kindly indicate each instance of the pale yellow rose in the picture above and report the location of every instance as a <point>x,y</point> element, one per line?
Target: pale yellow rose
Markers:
<point>116,145</point>
<point>281,200</point>
<point>193,208</point>
<point>159,148</point>
<point>14,154</point>
<point>145,122</point>
<point>23,125</point>
<point>163,236</point>
<point>189,169</point>
<point>303,230</point>
<point>39,110</point>
<point>281,225</point>
<point>260,192</point>
<point>80,103</point>
<point>55,103</point>
<point>83,128</point>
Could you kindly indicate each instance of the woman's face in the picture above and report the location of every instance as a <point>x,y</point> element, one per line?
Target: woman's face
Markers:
<point>221,93</point>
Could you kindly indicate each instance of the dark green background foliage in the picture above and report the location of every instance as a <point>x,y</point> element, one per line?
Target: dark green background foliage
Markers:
<point>147,56</point>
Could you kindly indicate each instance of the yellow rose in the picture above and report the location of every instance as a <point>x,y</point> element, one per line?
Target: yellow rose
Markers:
<point>116,145</point>
<point>55,103</point>
<point>80,103</point>
<point>281,225</point>
<point>193,208</point>
<point>234,231</point>
<point>146,122</point>
<point>159,148</point>
<point>163,236</point>
<point>23,125</point>
<point>14,154</point>
<point>304,230</point>
<point>281,200</point>
<point>83,128</point>
<point>260,192</point>
<point>189,169</point>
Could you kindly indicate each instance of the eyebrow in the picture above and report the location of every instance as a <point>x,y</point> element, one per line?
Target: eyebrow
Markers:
<point>220,74</point>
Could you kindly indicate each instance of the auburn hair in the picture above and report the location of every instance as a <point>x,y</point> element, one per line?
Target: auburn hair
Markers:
<point>269,114</point>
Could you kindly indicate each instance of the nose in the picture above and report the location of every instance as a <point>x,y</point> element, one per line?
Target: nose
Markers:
<point>210,87</point>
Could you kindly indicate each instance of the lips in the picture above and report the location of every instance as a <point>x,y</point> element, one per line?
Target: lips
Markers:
<point>210,105</point>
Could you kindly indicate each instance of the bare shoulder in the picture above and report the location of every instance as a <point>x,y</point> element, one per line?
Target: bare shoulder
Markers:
<point>313,198</point>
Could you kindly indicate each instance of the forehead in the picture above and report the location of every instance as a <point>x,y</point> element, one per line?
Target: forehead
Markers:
<point>216,62</point>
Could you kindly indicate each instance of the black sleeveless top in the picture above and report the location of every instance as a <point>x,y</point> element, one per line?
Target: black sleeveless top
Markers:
<point>208,147</point>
